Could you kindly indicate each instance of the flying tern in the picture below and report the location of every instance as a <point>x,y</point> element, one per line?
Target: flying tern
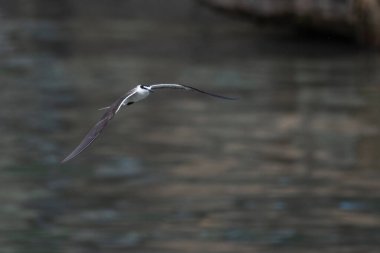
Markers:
<point>134,95</point>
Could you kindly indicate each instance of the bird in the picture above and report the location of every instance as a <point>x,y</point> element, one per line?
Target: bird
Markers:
<point>136,94</point>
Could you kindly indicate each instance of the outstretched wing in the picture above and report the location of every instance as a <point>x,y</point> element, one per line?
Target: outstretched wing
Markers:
<point>98,128</point>
<point>185,87</point>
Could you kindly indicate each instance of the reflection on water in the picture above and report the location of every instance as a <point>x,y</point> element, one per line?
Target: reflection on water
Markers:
<point>291,166</point>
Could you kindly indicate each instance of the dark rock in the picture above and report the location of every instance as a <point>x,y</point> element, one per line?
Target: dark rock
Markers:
<point>358,19</point>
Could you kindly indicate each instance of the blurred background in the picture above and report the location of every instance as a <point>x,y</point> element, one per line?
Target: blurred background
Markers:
<point>292,166</point>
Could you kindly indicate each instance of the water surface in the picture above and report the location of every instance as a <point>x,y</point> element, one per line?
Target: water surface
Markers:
<point>292,166</point>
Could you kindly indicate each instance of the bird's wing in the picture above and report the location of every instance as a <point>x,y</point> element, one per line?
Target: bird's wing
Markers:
<point>169,85</point>
<point>185,87</point>
<point>99,126</point>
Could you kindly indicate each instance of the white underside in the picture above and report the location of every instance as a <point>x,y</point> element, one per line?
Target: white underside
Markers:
<point>137,95</point>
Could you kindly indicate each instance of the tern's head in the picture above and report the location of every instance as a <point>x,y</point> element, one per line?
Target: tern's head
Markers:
<point>148,88</point>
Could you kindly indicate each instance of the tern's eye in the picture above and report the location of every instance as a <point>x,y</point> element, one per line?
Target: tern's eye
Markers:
<point>142,86</point>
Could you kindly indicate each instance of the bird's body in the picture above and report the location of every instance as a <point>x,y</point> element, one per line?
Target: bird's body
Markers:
<point>134,96</point>
<point>138,93</point>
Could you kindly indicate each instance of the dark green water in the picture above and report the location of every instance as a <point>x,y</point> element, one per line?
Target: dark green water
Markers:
<point>292,166</point>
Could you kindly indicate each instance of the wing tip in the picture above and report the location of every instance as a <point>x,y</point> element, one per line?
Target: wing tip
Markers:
<point>67,158</point>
